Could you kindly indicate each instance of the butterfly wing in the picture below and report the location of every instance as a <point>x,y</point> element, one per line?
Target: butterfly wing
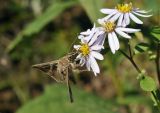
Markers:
<point>50,68</point>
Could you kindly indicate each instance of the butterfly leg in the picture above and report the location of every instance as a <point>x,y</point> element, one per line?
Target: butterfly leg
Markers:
<point>69,87</point>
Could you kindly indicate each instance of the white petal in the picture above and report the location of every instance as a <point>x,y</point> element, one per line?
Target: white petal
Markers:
<point>124,23</point>
<point>80,37</point>
<point>82,61</point>
<point>110,15</point>
<point>97,55</point>
<point>126,18</point>
<point>122,33</point>
<point>120,20</point>
<point>79,56</point>
<point>88,64</point>
<point>135,19</point>
<point>115,17</point>
<point>142,11</point>
<point>107,11</point>
<point>128,30</point>
<point>116,42</point>
<point>101,39</point>
<point>94,65</point>
<point>92,35</point>
<point>93,38</point>
<point>84,40</point>
<point>76,47</point>
<point>141,14</point>
<point>101,21</point>
<point>97,47</point>
<point>111,43</point>
<point>86,32</point>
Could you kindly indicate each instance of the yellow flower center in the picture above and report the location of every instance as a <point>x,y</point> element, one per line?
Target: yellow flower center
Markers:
<point>124,8</point>
<point>84,49</point>
<point>109,26</point>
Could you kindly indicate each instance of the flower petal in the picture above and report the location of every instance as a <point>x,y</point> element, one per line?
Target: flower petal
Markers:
<point>142,11</point>
<point>93,38</point>
<point>80,37</point>
<point>122,33</point>
<point>115,17</point>
<point>82,61</point>
<point>97,47</point>
<point>107,11</point>
<point>101,21</point>
<point>109,16</point>
<point>76,47</point>
<point>120,20</point>
<point>126,18</point>
<point>97,55</point>
<point>111,43</point>
<point>94,65</point>
<point>101,39</point>
<point>86,32</point>
<point>88,64</point>
<point>141,14</point>
<point>135,19</point>
<point>128,30</point>
<point>115,39</point>
<point>79,56</point>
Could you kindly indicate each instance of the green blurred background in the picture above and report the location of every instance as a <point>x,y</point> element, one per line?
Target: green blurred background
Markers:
<point>36,31</point>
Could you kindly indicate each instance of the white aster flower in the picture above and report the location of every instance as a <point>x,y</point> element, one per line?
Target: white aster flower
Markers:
<point>88,53</point>
<point>94,35</point>
<point>111,30</point>
<point>123,13</point>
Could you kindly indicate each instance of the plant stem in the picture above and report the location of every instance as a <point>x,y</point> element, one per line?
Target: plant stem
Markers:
<point>158,104</point>
<point>158,62</point>
<point>132,61</point>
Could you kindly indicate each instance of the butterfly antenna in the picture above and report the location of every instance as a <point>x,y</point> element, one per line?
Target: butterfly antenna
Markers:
<point>72,44</point>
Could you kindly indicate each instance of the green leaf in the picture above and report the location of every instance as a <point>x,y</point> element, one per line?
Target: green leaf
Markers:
<point>92,8</point>
<point>155,32</point>
<point>147,84</point>
<point>34,27</point>
<point>55,100</point>
<point>141,47</point>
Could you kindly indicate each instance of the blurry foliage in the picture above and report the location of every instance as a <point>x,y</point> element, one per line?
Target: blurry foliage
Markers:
<point>55,100</point>
<point>92,8</point>
<point>34,27</point>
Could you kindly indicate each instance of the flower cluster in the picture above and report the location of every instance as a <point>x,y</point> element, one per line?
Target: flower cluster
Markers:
<point>113,25</point>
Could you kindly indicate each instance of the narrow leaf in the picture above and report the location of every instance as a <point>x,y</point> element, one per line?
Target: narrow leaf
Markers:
<point>155,32</point>
<point>141,47</point>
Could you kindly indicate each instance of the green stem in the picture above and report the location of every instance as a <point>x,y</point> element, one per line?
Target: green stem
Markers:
<point>132,61</point>
<point>157,101</point>
<point>157,61</point>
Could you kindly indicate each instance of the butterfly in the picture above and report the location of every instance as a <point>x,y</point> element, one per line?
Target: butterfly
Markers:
<point>60,70</point>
